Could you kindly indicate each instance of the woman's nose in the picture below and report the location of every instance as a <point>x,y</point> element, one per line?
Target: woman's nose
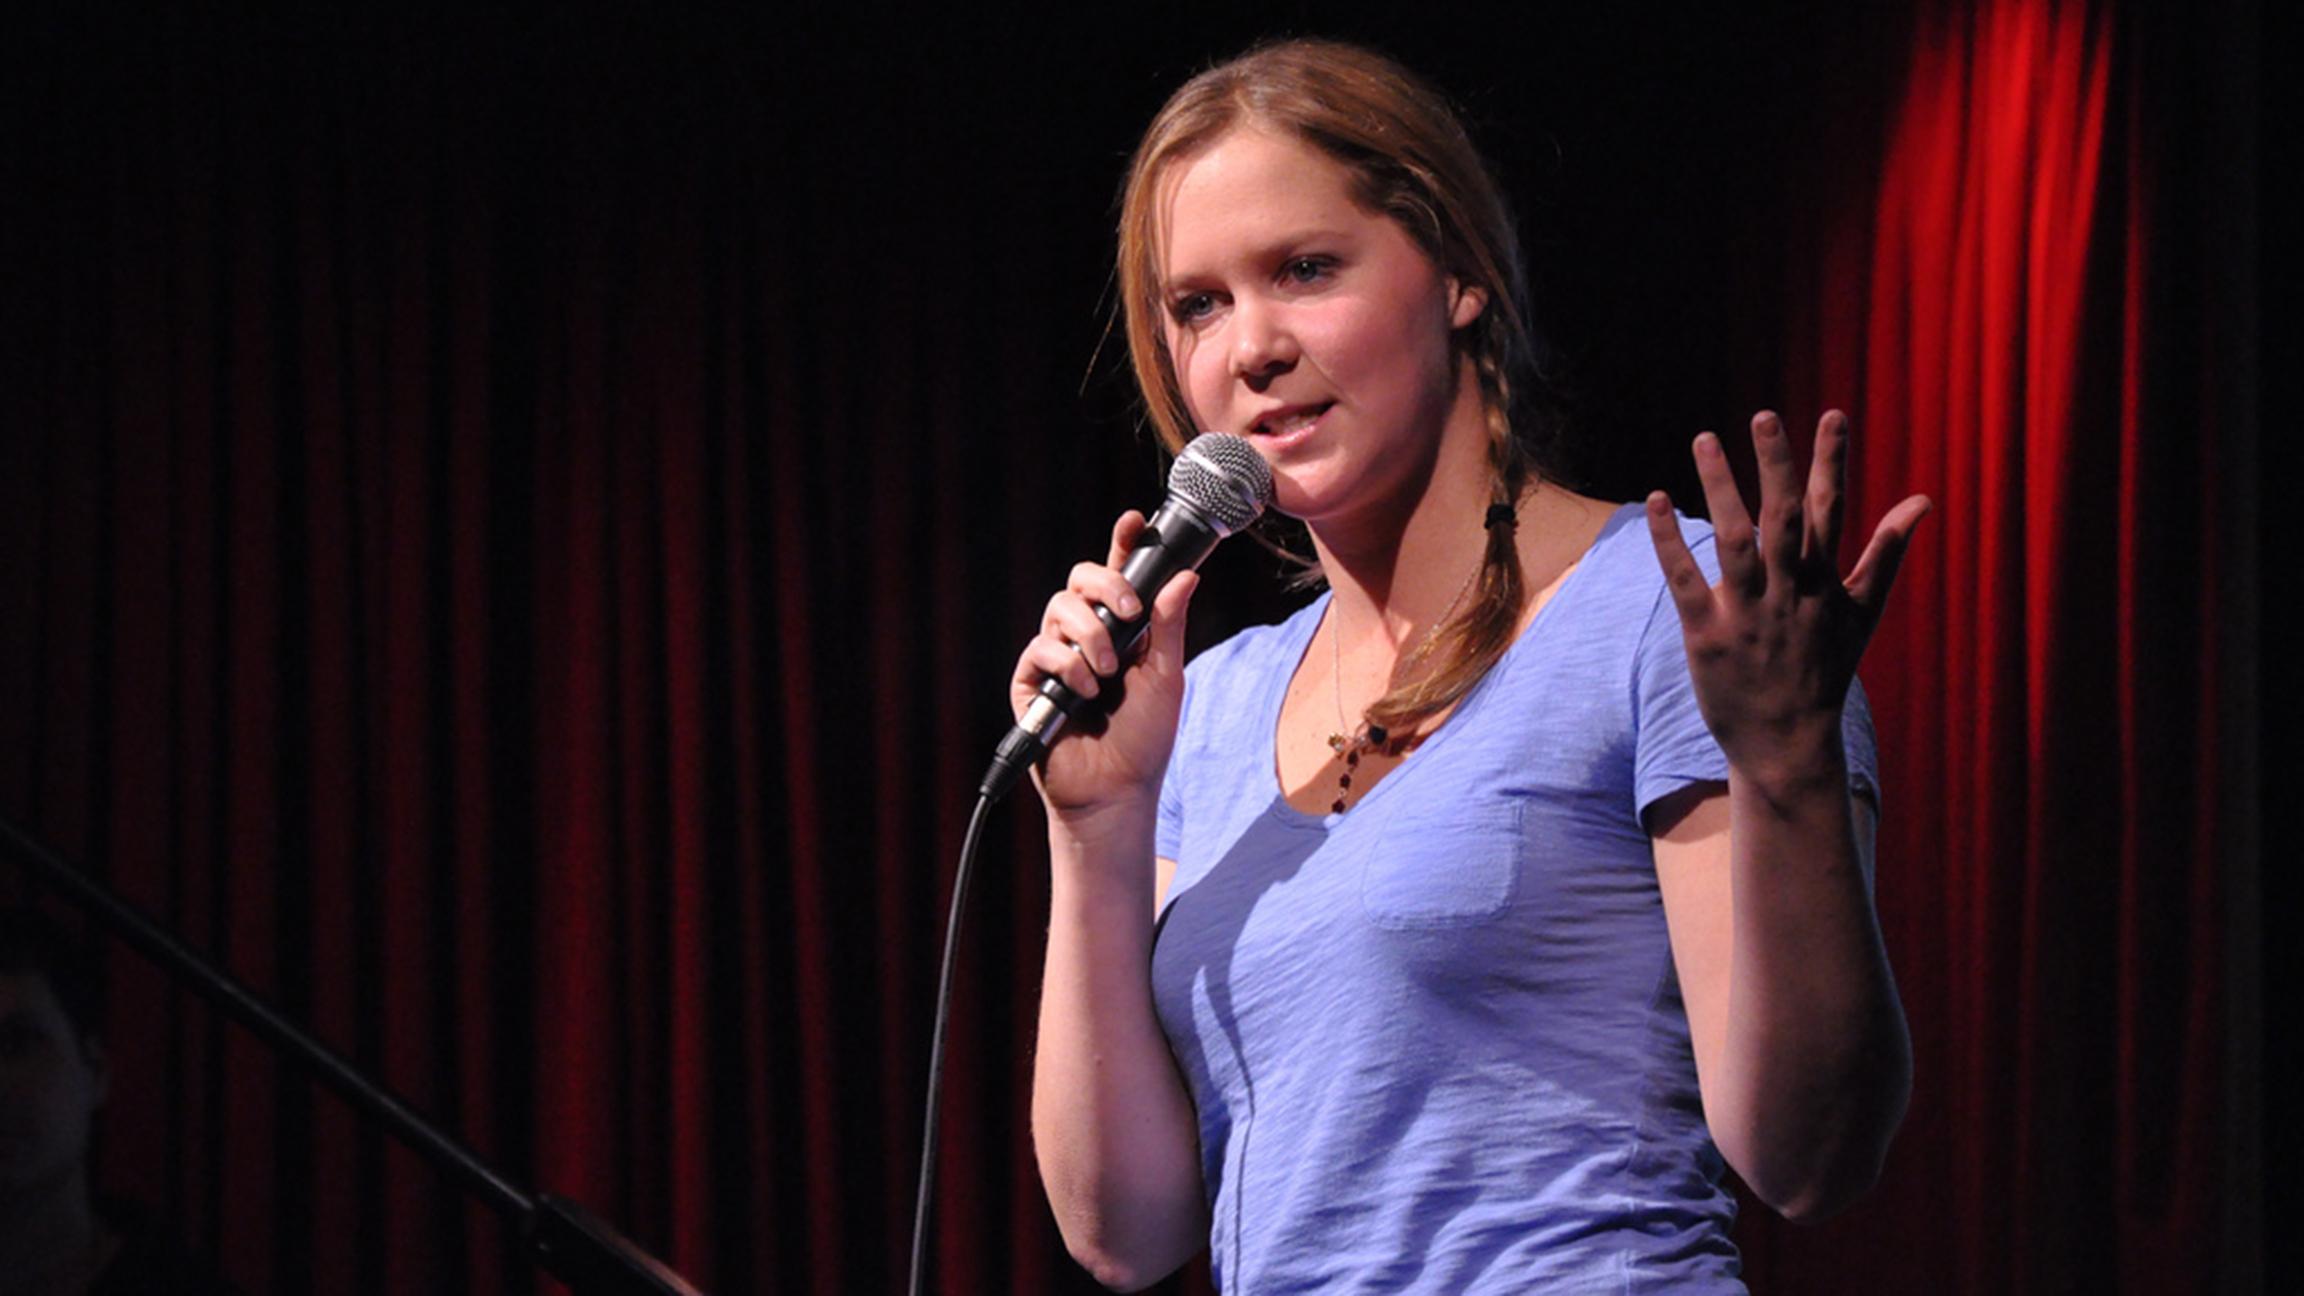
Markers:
<point>1261,343</point>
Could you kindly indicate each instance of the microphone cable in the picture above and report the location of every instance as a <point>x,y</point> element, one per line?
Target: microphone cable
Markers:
<point>1218,485</point>
<point>960,877</point>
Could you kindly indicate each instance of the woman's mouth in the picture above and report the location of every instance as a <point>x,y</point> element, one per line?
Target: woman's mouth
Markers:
<point>1285,427</point>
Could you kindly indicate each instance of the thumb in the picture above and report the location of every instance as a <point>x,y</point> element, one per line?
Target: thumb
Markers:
<point>1164,645</point>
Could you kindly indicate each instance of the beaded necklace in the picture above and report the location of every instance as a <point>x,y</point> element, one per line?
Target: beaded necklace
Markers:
<point>1369,736</point>
<point>1348,742</point>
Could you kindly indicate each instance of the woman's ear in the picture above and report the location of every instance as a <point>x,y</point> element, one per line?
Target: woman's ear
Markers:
<point>1465,303</point>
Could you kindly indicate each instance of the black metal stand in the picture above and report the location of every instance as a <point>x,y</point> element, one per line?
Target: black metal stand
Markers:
<point>568,1243</point>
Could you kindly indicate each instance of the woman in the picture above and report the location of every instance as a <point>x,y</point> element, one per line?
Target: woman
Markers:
<point>1448,936</point>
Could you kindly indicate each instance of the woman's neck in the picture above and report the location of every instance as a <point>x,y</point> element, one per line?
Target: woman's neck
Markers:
<point>1398,566</point>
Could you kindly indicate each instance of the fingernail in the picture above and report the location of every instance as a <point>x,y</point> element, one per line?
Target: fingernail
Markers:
<point>1130,606</point>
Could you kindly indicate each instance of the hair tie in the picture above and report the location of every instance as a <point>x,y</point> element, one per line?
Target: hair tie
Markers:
<point>1500,515</point>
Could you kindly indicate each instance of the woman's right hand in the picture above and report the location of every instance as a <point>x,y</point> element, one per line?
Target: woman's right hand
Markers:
<point>1095,765</point>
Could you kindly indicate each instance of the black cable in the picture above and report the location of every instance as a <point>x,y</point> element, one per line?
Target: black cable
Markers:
<point>936,1049</point>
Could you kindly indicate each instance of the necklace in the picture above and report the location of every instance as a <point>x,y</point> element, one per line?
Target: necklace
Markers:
<point>1373,736</point>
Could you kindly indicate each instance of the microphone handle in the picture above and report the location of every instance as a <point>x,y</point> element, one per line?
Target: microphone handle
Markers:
<point>1176,539</point>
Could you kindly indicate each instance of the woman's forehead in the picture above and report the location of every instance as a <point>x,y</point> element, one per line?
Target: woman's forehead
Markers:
<point>1247,188</point>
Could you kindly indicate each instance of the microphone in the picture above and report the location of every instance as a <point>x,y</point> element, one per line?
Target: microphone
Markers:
<point>1218,485</point>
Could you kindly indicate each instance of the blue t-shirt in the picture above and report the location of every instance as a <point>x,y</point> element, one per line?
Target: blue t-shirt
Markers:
<point>1436,1043</point>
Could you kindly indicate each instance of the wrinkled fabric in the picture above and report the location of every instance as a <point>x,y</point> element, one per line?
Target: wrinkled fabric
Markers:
<point>1436,1043</point>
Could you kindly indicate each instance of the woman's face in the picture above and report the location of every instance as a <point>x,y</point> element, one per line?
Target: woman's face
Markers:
<point>1314,327</point>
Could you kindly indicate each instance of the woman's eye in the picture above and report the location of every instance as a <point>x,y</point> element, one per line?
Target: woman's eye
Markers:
<point>1306,270</point>
<point>1195,306</point>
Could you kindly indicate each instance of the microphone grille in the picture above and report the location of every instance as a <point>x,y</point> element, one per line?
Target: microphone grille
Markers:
<point>1223,477</point>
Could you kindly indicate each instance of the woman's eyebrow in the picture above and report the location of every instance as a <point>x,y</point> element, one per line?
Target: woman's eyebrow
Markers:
<point>1278,247</point>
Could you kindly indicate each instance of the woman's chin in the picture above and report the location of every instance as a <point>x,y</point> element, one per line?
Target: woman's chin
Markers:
<point>1292,499</point>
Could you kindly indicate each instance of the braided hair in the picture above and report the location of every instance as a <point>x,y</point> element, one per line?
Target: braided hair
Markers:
<point>1411,160</point>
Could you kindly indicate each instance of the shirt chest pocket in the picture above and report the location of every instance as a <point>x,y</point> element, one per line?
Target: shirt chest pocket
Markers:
<point>1432,863</point>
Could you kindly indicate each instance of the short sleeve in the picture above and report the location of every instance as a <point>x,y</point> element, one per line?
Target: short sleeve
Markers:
<point>1863,749</point>
<point>1672,747</point>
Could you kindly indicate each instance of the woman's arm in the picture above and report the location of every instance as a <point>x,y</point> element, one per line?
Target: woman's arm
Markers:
<point>1114,1130</point>
<point>1802,1052</point>
<point>1117,1139</point>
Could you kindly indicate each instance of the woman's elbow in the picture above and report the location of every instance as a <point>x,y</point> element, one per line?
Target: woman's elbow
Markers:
<point>1821,1170</point>
<point>1122,1268</point>
<point>1127,1240</point>
<point>1821,1199</point>
<point>1842,1171</point>
<point>1115,1275</point>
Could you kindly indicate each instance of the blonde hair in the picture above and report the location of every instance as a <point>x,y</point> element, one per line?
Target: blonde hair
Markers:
<point>1412,161</point>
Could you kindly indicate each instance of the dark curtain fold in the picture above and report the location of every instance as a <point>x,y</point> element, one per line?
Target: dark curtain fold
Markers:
<point>511,539</point>
<point>2036,304</point>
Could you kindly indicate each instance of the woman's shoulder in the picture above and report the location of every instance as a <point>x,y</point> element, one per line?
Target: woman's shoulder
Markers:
<point>1232,688</point>
<point>1279,643</point>
<point>1618,574</point>
<point>1240,675</point>
<point>1625,547</point>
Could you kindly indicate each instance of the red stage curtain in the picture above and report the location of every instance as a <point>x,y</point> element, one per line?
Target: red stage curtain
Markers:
<point>514,549</point>
<point>2024,316</point>
<point>511,540</point>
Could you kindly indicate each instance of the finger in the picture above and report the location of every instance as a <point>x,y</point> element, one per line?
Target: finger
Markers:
<point>1100,584</point>
<point>1049,657</point>
<point>1125,529</point>
<point>1740,568</point>
<point>1074,620</point>
<point>1875,572</point>
<point>1780,498</point>
<point>1682,576</point>
<point>1046,657</point>
<point>1164,646</point>
<point>1827,488</point>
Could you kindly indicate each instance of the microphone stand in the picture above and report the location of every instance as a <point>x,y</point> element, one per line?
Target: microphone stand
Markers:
<point>567,1241</point>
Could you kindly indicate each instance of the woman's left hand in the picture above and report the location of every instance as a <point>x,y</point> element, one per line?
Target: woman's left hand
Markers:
<point>1772,647</point>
